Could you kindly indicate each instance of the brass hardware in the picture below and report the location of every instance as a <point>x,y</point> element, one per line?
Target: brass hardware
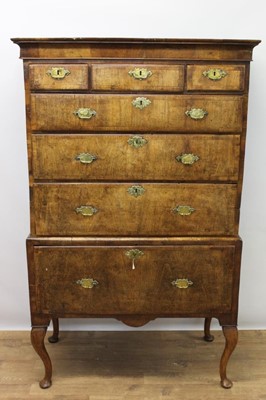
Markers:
<point>85,113</point>
<point>58,72</point>
<point>86,211</point>
<point>215,74</point>
<point>141,102</point>
<point>187,159</point>
<point>133,254</point>
<point>137,141</point>
<point>196,113</point>
<point>87,283</point>
<point>182,283</point>
<point>136,190</point>
<point>140,73</point>
<point>85,158</point>
<point>183,210</point>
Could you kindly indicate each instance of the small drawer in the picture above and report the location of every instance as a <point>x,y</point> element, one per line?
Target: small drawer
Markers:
<point>148,112</point>
<point>168,78</point>
<point>216,77</point>
<point>132,209</point>
<point>58,76</point>
<point>136,157</point>
<point>141,279</point>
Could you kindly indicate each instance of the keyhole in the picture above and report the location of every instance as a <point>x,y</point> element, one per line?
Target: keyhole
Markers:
<point>214,73</point>
<point>58,72</point>
<point>140,72</point>
<point>141,102</point>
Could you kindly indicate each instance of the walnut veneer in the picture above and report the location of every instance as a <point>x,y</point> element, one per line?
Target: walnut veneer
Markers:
<point>136,153</point>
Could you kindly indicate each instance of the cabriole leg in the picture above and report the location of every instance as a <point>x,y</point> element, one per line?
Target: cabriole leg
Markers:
<point>37,340</point>
<point>231,336</point>
<point>207,333</point>
<point>55,336</point>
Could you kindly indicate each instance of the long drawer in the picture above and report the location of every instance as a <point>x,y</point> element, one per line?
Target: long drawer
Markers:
<point>109,112</point>
<point>135,209</point>
<point>133,157</point>
<point>165,279</point>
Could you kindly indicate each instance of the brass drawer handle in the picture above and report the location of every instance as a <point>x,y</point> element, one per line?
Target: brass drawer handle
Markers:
<point>137,141</point>
<point>58,72</point>
<point>183,210</point>
<point>136,190</point>
<point>86,211</point>
<point>85,113</point>
<point>182,283</point>
<point>85,158</point>
<point>87,283</point>
<point>141,102</point>
<point>215,74</point>
<point>140,73</point>
<point>187,159</point>
<point>133,254</point>
<point>196,113</point>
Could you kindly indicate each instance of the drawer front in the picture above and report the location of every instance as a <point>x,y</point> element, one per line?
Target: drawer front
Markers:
<point>135,157</point>
<point>58,76</point>
<point>134,209</point>
<point>101,280</point>
<point>116,112</point>
<point>216,77</point>
<point>138,77</point>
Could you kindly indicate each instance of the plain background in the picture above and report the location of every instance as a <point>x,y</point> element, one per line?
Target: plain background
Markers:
<point>239,19</point>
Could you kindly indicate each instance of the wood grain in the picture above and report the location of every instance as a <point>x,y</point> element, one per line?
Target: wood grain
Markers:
<point>77,79</point>
<point>69,246</point>
<point>178,49</point>
<point>233,81</point>
<point>215,212</point>
<point>116,112</point>
<point>54,157</point>
<point>116,77</point>
<point>147,289</point>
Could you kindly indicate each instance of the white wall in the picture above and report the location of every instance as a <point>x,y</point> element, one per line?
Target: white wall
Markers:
<point>241,19</point>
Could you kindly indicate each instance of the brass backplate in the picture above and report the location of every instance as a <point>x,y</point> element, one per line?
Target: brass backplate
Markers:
<point>58,72</point>
<point>85,113</point>
<point>137,141</point>
<point>183,210</point>
<point>196,113</point>
<point>140,73</point>
<point>141,102</point>
<point>182,283</point>
<point>87,283</point>
<point>136,190</point>
<point>85,158</point>
<point>215,74</point>
<point>187,158</point>
<point>86,211</point>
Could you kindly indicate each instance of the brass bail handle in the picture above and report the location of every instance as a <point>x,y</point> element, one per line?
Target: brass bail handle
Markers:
<point>85,113</point>
<point>86,211</point>
<point>85,158</point>
<point>87,283</point>
<point>182,283</point>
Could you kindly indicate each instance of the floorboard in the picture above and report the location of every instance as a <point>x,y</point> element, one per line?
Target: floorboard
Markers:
<point>133,366</point>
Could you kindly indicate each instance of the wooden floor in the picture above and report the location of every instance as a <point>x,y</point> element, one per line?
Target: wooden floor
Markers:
<point>133,366</point>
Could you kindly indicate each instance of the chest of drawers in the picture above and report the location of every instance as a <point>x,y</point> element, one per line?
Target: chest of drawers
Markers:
<point>136,152</point>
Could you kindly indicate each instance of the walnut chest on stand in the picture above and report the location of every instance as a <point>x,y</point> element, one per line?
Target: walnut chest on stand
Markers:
<point>136,153</point>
